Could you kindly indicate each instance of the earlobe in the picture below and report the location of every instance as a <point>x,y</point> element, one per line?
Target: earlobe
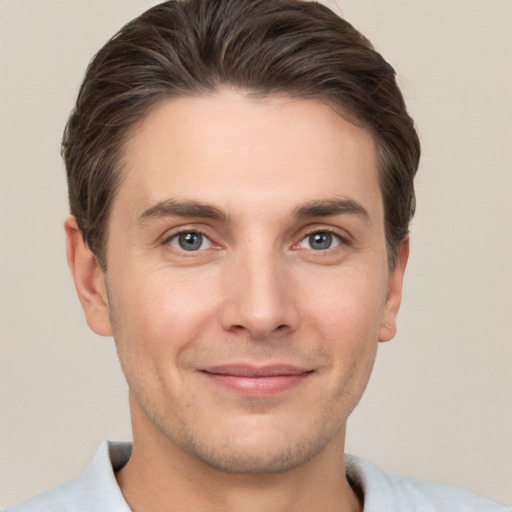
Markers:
<point>89,280</point>
<point>388,328</point>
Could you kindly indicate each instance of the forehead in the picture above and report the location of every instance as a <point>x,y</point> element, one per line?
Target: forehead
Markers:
<point>246,151</point>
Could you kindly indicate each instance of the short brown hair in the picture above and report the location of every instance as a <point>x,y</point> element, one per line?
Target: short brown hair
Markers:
<point>263,47</point>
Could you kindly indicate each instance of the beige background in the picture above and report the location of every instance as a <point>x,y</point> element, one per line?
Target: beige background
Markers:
<point>439,403</point>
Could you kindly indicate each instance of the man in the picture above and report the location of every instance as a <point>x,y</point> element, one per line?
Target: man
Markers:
<point>241,182</point>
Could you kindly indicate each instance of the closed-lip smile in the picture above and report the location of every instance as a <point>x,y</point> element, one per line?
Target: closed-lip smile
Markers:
<point>257,380</point>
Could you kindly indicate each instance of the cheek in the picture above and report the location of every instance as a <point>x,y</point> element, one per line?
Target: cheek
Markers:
<point>347,315</point>
<point>161,311</point>
<point>349,304</point>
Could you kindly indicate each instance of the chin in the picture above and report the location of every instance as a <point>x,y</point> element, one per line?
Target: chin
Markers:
<point>264,451</point>
<point>252,461</point>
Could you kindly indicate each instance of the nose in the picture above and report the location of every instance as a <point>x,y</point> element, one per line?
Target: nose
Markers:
<point>259,300</point>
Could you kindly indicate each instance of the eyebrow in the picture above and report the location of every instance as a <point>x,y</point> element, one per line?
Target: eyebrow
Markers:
<point>197,209</point>
<point>175,208</point>
<point>331,207</point>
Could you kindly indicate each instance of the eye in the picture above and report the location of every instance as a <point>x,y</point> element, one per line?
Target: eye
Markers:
<point>320,241</point>
<point>190,241</point>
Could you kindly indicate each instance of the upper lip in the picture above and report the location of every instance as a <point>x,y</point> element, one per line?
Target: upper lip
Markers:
<point>246,370</point>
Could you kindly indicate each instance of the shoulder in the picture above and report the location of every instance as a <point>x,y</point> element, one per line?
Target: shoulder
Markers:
<point>65,498</point>
<point>386,492</point>
<point>95,489</point>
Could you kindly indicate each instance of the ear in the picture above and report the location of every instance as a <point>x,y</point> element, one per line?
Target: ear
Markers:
<point>89,280</point>
<point>388,329</point>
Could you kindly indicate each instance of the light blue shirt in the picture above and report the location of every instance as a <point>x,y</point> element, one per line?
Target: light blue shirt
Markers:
<point>96,490</point>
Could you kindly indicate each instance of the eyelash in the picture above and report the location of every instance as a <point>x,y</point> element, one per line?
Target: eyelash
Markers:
<point>168,239</point>
<point>343,240</point>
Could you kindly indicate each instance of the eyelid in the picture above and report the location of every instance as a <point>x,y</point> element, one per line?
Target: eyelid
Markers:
<point>342,235</point>
<point>175,232</point>
<point>184,228</point>
<point>176,238</point>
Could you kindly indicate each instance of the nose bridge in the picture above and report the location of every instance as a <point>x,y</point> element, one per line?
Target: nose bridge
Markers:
<point>259,300</point>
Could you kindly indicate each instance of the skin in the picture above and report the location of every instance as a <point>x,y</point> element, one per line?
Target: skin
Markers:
<point>258,291</point>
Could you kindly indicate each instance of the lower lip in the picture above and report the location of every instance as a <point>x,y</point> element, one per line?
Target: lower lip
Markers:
<point>257,386</point>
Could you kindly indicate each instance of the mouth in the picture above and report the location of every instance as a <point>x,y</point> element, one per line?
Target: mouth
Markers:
<point>257,380</point>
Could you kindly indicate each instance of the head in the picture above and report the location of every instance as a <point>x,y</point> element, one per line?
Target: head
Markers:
<point>264,48</point>
<point>241,172</point>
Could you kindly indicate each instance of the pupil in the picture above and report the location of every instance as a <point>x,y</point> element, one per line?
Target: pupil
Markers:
<point>320,241</point>
<point>190,241</point>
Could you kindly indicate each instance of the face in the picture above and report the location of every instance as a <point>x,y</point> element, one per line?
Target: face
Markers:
<point>247,282</point>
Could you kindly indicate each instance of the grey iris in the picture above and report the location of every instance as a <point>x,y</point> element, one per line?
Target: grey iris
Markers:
<point>190,241</point>
<point>320,241</point>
